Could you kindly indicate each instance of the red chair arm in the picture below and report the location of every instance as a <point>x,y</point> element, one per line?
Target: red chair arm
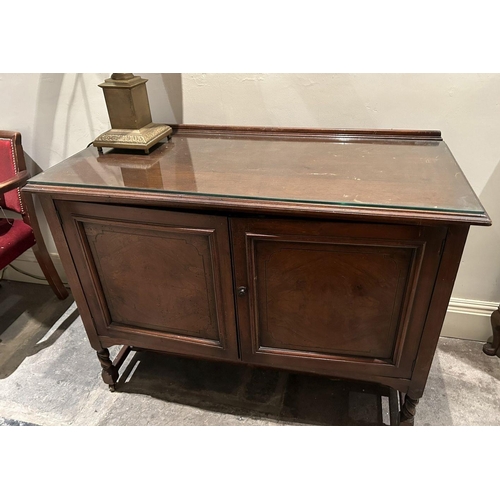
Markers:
<point>17,181</point>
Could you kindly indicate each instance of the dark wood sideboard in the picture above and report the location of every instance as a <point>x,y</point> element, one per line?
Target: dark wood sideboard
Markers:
<point>331,252</point>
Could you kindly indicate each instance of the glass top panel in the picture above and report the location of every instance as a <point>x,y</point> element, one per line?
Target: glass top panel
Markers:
<point>408,174</point>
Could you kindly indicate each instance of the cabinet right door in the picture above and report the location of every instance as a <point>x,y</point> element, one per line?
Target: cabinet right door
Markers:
<point>336,298</point>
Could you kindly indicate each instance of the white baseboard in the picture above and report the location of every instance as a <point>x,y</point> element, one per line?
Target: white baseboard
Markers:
<point>27,263</point>
<point>465,318</point>
<point>468,319</point>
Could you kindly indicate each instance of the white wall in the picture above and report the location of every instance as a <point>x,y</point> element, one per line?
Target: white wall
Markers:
<point>59,114</point>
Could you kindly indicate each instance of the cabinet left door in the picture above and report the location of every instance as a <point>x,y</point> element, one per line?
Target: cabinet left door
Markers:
<point>154,279</point>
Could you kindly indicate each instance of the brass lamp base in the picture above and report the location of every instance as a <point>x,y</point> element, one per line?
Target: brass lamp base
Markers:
<point>143,138</point>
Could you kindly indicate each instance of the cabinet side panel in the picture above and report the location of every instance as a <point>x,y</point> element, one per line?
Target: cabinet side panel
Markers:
<point>448,269</point>
<point>67,261</point>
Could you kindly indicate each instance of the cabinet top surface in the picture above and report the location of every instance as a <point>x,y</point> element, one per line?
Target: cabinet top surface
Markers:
<point>381,169</point>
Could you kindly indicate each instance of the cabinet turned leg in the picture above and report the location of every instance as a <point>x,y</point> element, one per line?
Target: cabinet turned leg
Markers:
<point>408,410</point>
<point>493,347</point>
<point>109,370</point>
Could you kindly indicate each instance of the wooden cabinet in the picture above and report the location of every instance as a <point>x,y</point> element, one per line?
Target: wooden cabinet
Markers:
<point>253,246</point>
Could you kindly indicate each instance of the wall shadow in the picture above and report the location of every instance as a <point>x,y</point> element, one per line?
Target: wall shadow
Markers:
<point>479,273</point>
<point>79,83</point>
<point>491,238</point>
<point>48,95</point>
<point>31,165</point>
<point>51,87</point>
<point>173,87</point>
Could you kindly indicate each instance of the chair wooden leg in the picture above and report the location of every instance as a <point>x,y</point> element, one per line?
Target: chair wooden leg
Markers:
<point>42,254</point>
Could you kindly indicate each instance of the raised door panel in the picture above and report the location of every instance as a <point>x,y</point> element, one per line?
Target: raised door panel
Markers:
<point>308,286</point>
<point>334,297</point>
<point>155,279</point>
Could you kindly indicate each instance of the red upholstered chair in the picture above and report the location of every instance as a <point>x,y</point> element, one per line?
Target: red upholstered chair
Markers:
<point>17,235</point>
